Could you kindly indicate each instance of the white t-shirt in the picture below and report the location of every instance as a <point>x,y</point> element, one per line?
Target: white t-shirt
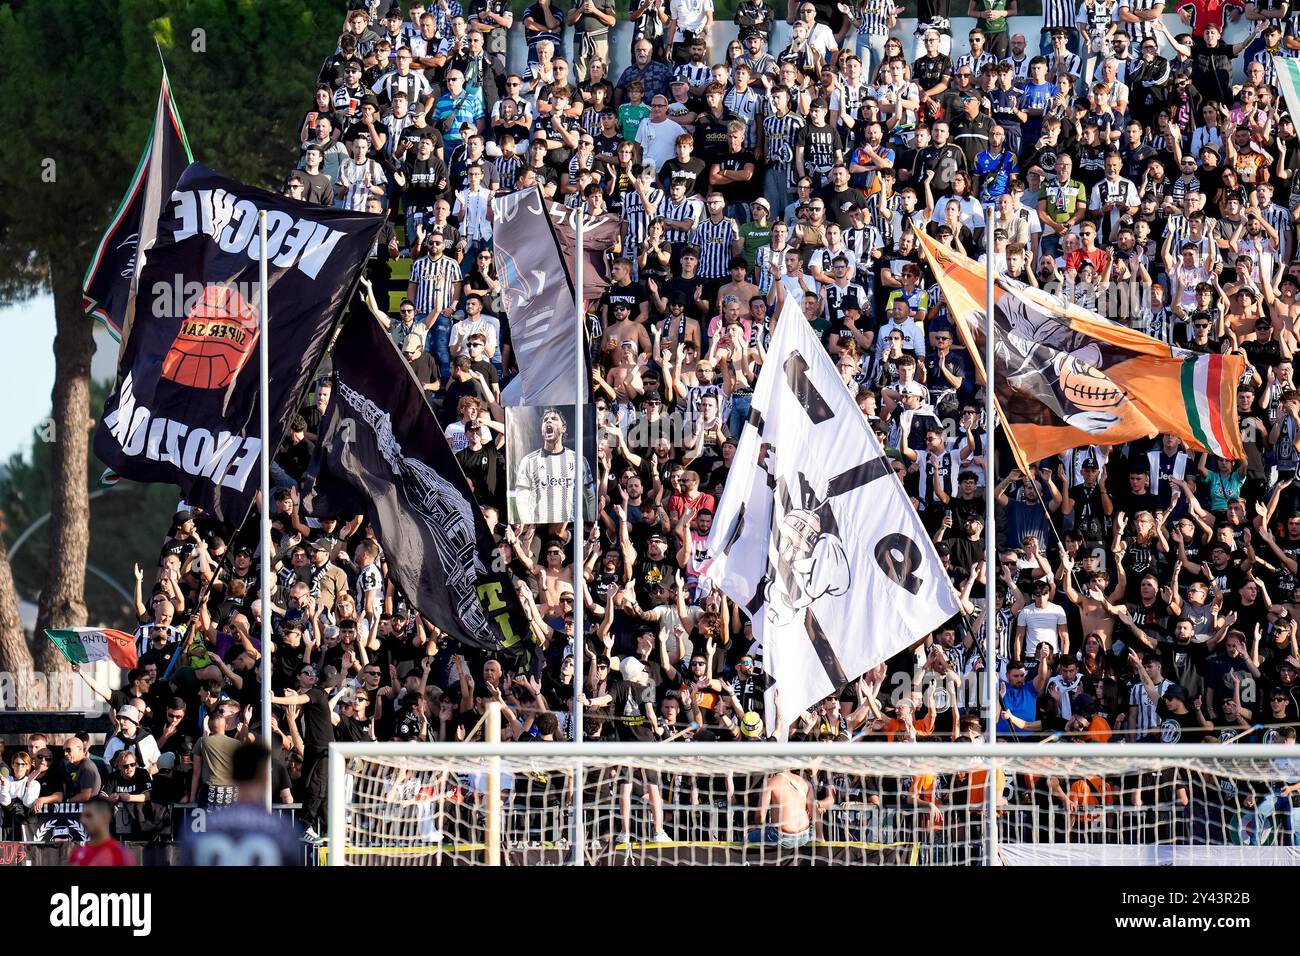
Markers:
<point>1040,627</point>
<point>146,750</point>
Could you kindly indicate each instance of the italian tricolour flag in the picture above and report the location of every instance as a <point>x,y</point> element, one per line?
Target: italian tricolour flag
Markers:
<point>85,645</point>
<point>1206,391</point>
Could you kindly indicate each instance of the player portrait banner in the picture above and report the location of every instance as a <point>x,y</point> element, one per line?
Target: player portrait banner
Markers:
<point>541,464</point>
<point>186,409</point>
<point>814,534</point>
<point>1066,377</point>
<point>534,243</point>
<point>106,287</point>
<point>381,454</point>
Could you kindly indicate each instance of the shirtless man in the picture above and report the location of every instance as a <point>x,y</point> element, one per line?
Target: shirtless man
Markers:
<point>789,801</point>
<point>621,328</point>
<point>1097,609</point>
<point>1286,312</point>
<point>623,384</point>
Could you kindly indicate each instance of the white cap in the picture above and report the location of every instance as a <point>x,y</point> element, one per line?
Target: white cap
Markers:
<point>632,669</point>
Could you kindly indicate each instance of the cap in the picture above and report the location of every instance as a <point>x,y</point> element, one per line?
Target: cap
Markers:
<point>914,388</point>
<point>243,549</point>
<point>1090,463</point>
<point>632,669</point>
<point>654,535</point>
<point>412,343</point>
<point>330,677</point>
<point>1175,692</point>
<point>751,726</point>
<point>128,712</point>
<point>319,545</point>
<point>762,201</point>
<point>1211,148</point>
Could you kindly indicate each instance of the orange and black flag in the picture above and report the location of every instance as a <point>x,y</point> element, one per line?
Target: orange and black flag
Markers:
<point>1066,377</point>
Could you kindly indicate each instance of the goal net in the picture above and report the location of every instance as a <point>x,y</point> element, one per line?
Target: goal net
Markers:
<point>820,804</point>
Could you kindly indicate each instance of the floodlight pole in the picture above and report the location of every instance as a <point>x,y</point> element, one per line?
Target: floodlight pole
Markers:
<point>990,536</point>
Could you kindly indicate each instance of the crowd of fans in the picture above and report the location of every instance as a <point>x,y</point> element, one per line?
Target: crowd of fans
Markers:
<point>1143,592</point>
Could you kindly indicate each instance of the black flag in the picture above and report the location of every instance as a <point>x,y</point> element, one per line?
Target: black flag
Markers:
<point>186,410</point>
<point>381,454</point>
<point>107,284</point>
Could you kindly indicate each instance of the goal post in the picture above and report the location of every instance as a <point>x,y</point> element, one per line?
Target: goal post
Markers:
<point>828,804</point>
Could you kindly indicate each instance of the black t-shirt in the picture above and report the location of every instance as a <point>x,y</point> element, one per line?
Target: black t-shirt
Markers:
<point>711,134</point>
<point>481,468</point>
<point>821,145</point>
<point>839,204</point>
<point>628,708</point>
<point>690,172</point>
<point>631,294</point>
<point>317,728</point>
<point>423,177</point>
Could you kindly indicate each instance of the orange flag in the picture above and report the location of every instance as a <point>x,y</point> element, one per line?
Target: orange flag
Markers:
<point>1066,377</point>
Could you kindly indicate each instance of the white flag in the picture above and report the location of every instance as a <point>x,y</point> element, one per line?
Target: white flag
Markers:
<point>1287,71</point>
<point>815,536</point>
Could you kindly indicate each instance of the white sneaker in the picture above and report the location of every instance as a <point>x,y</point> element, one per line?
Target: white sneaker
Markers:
<point>661,837</point>
<point>623,838</point>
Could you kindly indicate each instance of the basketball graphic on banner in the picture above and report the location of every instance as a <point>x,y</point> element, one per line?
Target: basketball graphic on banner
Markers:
<point>215,340</point>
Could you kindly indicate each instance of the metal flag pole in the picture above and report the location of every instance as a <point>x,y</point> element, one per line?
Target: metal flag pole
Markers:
<point>264,511</point>
<point>990,536</point>
<point>579,533</point>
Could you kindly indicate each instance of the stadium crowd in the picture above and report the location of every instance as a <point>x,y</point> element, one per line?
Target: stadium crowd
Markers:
<point>1143,169</point>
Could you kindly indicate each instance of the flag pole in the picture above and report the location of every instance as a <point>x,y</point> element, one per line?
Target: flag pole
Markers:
<point>264,512</point>
<point>990,537</point>
<point>579,534</point>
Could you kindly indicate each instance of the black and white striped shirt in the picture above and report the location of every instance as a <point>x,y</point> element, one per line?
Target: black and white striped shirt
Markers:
<point>414,85</point>
<point>779,134</point>
<point>749,106</point>
<point>873,17</point>
<point>1143,29</point>
<point>1058,13</point>
<point>1279,217</point>
<point>694,74</point>
<point>715,240</point>
<point>689,208</point>
<point>1068,65</point>
<point>637,216</point>
<point>143,636</point>
<point>435,282</point>
<point>976,63</point>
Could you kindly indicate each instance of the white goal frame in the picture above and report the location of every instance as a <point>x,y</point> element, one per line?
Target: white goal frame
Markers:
<point>574,753</point>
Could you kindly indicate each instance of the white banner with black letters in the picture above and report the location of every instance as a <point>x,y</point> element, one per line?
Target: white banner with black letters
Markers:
<point>814,534</point>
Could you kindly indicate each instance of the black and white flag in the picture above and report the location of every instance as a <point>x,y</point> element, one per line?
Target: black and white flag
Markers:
<point>535,244</point>
<point>186,410</point>
<point>381,454</point>
<point>814,535</point>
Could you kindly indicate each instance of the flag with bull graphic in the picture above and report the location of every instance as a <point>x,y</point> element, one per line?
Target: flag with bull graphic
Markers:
<point>186,409</point>
<point>814,535</point>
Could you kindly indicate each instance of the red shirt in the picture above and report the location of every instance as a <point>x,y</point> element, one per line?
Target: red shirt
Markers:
<point>1205,12</point>
<point>679,505</point>
<point>105,853</point>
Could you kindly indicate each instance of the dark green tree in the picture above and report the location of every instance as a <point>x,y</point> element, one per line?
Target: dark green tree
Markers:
<point>87,77</point>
